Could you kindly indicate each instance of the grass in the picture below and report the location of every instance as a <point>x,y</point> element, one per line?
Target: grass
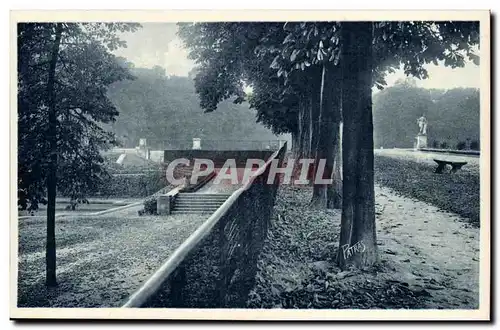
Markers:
<point>457,192</point>
<point>101,260</point>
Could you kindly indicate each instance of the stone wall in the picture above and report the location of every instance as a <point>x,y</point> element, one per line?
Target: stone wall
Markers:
<point>219,272</point>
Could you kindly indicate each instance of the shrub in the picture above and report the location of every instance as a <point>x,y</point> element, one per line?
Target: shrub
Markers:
<point>461,145</point>
<point>132,185</point>
<point>435,144</point>
<point>149,206</point>
<point>474,145</point>
<point>444,145</point>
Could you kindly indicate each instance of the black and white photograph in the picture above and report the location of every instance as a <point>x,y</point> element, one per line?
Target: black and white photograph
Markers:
<point>254,165</point>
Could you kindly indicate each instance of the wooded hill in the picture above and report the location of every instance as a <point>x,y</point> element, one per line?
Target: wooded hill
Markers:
<point>452,115</point>
<point>166,110</point>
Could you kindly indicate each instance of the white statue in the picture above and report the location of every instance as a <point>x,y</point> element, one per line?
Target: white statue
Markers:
<point>422,124</point>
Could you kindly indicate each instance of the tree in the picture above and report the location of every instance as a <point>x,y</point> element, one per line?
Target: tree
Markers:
<point>167,113</point>
<point>64,69</point>
<point>383,46</point>
<point>452,114</point>
<point>358,205</point>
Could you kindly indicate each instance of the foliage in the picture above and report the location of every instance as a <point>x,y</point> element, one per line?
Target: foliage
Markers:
<point>296,268</point>
<point>150,206</point>
<point>140,185</point>
<point>230,54</point>
<point>474,145</point>
<point>166,111</point>
<point>452,115</point>
<point>461,145</point>
<point>84,68</point>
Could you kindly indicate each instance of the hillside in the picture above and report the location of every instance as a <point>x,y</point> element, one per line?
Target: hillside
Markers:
<point>165,110</point>
<point>452,115</point>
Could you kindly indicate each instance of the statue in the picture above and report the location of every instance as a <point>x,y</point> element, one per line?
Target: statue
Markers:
<point>422,124</point>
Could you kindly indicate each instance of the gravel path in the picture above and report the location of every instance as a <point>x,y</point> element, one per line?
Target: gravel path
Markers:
<point>430,249</point>
<point>101,260</point>
<point>429,258</point>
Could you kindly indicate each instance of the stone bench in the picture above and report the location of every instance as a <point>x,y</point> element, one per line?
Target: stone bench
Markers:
<point>455,166</point>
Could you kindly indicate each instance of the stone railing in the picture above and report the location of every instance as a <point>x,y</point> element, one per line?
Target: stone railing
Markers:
<point>215,267</point>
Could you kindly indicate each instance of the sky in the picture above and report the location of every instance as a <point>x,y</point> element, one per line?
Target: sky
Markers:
<point>158,44</point>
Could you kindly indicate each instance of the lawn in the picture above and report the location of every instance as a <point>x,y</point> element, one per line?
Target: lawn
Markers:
<point>415,177</point>
<point>101,260</point>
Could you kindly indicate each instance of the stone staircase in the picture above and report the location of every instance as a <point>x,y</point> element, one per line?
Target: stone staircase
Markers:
<point>193,203</point>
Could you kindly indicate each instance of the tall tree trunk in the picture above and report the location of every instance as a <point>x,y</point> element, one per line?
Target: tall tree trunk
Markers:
<point>327,195</point>
<point>319,190</point>
<point>50,254</point>
<point>300,144</point>
<point>295,143</point>
<point>315,96</point>
<point>334,191</point>
<point>357,245</point>
<point>305,127</point>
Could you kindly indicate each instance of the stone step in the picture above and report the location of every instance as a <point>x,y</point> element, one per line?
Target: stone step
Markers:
<point>198,195</point>
<point>201,209</point>
<point>208,206</point>
<point>192,212</point>
<point>211,199</point>
<point>200,202</point>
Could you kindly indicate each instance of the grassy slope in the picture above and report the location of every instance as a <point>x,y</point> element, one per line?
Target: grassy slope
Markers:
<point>101,260</point>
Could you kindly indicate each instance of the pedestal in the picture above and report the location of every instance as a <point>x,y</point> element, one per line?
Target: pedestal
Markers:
<point>196,144</point>
<point>421,141</point>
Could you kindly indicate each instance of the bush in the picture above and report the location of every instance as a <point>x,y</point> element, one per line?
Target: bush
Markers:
<point>461,145</point>
<point>435,144</point>
<point>133,185</point>
<point>474,145</point>
<point>444,145</point>
<point>149,206</point>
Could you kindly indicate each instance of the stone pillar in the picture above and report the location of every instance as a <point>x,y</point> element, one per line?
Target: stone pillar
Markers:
<point>196,144</point>
<point>163,205</point>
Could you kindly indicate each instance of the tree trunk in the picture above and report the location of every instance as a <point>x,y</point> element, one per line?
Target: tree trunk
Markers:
<point>327,195</point>
<point>300,142</point>
<point>295,143</point>
<point>357,245</point>
<point>318,199</point>
<point>306,132</point>
<point>334,191</point>
<point>50,254</point>
<point>316,86</point>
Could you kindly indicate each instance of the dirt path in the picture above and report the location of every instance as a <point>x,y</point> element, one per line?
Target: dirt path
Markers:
<point>428,258</point>
<point>431,249</point>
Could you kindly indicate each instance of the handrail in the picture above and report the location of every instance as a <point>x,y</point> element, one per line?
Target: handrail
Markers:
<point>150,287</point>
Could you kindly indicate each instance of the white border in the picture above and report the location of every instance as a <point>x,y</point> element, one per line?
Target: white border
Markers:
<point>231,314</point>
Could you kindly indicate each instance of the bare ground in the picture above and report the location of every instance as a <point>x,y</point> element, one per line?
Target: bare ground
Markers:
<point>428,258</point>
<point>101,260</point>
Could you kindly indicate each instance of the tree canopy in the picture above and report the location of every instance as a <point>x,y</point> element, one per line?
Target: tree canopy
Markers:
<point>165,110</point>
<point>453,115</point>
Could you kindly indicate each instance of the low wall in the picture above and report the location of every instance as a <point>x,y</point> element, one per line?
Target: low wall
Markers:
<point>215,267</point>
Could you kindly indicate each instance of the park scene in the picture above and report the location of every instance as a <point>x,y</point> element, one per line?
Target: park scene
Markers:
<point>255,165</point>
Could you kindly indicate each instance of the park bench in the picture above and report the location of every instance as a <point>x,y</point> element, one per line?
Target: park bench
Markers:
<point>455,166</point>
